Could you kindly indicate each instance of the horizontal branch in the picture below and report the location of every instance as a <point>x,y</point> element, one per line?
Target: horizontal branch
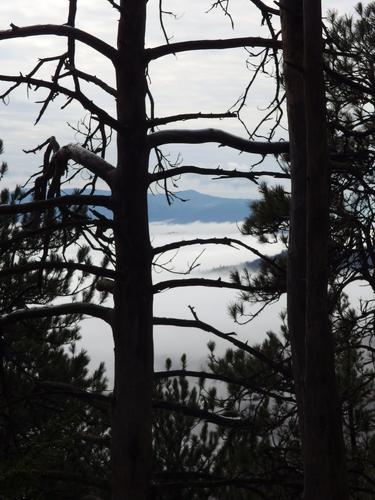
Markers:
<point>104,313</point>
<point>46,265</point>
<point>73,94</point>
<point>201,325</point>
<point>107,285</point>
<point>51,228</point>
<point>195,412</point>
<point>220,44</point>
<point>98,166</point>
<point>236,423</point>
<point>61,30</point>
<point>219,136</point>
<point>188,116</point>
<point>61,201</point>
<point>167,285</point>
<point>215,241</point>
<point>244,382</point>
<point>218,173</point>
<point>72,390</point>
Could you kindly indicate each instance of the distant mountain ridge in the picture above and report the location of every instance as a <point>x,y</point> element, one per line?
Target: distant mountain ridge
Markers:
<point>197,207</point>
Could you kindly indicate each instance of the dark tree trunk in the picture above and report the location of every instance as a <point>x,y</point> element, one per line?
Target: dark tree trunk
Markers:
<point>132,327</point>
<point>324,454</point>
<point>311,340</point>
<point>292,39</point>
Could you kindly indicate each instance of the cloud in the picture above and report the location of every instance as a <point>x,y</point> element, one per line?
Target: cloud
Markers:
<point>209,82</point>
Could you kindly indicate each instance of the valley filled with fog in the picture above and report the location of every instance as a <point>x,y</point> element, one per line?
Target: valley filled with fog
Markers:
<point>211,304</point>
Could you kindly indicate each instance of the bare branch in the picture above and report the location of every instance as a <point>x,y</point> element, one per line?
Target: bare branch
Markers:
<point>217,173</point>
<point>90,78</point>
<point>61,30</point>
<point>98,166</point>
<point>115,5</point>
<point>215,241</point>
<point>265,8</point>
<point>61,201</point>
<point>166,285</point>
<point>51,265</point>
<point>104,313</point>
<point>58,89</point>
<point>72,390</point>
<point>39,231</point>
<point>188,116</point>
<point>230,43</point>
<point>108,285</point>
<point>201,325</point>
<point>216,135</point>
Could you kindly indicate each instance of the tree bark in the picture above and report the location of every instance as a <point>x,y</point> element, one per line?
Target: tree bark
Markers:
<point>292,39</point>
<point>324,453</point>
<point>307,281</point>
<point>132,328</point>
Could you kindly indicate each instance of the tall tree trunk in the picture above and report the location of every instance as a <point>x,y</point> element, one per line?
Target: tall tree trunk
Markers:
<point>132,326</point>
<point>324,454</point>
<point>292,39</point>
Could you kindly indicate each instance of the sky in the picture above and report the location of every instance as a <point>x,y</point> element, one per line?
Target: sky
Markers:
<point>198,82</point>
<point>201,81</point>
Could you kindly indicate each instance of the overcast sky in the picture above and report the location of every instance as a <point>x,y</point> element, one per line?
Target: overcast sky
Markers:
<point>200,81</point>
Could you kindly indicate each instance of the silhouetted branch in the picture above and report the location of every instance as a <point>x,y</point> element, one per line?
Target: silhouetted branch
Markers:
<point>166,285</point>
<point>215,241</point>
<point>104,313</point>
<point>51,265</point>
<point>265,8</point>
<point>218,173</point>
<point>188,116</point>
<point>236,423</point>
<point>98,166</point>
<point>72,390</point>
<point>61,30</point>
<point>244,382</point>
<point>61,201</point>
<point>54,87</point>
<point>91,79</point>
<point>197,323</point>
<point>219,136</point>
<point>230,43</point>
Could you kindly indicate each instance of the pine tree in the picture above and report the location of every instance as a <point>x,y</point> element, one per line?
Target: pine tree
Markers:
<point>52,444</point>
